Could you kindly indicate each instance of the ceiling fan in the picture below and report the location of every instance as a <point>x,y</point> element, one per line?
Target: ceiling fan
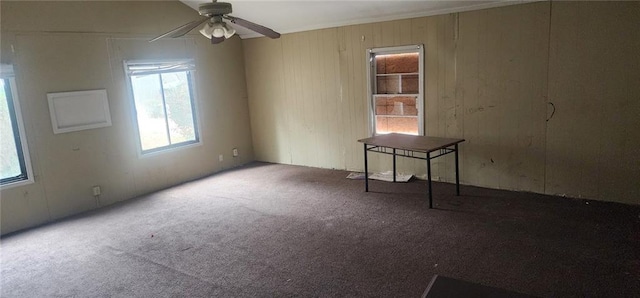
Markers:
<point>216,29</point>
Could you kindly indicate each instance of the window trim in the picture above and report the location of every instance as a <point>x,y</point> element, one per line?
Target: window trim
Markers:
<point>371,68</point>
<point>7,74</point>
<point>189,67</point>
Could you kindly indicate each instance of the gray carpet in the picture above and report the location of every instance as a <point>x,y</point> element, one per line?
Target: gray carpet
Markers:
<point>271,230</point>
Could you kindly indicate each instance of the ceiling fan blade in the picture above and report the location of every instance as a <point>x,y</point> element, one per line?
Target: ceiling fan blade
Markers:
<point>217,40</point>
<point>253,26</point>
<point>182,30</point>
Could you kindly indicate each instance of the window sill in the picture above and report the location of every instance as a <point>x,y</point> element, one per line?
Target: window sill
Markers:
<point>172,149</point>
<point>17,184</point>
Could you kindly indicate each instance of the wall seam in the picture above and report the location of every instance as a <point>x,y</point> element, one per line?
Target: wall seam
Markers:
<point>546,126</point>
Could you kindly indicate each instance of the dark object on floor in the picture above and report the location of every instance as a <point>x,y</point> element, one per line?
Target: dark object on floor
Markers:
<point>447,287</point>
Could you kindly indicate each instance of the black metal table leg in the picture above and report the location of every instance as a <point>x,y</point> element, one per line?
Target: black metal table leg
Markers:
<point>429,179</point>
<point>457,173</point>
<point>366,170</point>
<point>394,165</point>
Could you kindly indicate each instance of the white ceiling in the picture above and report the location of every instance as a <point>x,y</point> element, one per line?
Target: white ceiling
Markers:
<point>302,15</point>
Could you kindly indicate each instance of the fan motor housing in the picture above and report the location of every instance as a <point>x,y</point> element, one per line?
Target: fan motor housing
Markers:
<point>214,9</point>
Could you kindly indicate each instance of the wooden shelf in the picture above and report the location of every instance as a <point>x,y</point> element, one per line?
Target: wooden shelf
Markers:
<point>397,74</point>
<point>398,116</point>
<point>395,94</point>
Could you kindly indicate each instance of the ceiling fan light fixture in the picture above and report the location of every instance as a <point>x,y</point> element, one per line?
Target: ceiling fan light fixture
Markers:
<point>228,32</point>
<point>217,29</point>
<point>207,30</point>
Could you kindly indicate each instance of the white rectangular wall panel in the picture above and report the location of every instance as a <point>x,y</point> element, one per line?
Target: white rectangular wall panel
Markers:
<point>79,110</point>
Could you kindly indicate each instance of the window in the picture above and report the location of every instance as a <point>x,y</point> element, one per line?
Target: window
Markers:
<point>14,154</point>
<point>162,93</point>
<point>396,101</point>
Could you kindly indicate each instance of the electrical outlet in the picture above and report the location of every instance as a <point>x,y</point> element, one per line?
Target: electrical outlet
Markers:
<point>235,152</point>
<point>96,191</point>
<point>220,158</point>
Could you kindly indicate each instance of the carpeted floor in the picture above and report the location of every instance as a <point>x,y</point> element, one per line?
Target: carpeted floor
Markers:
<point>270,230</point>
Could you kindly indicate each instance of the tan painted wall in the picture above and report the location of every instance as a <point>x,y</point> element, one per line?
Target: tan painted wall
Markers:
<point>489,75</point>
<point>593,145</point>
<point>66,46</point>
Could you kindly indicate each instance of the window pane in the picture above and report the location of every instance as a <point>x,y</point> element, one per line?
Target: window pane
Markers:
<point>9,158</point>
<point>410,84</point>
<point>178,102</point>
<point>397,63</point>
<point>397,105</point>
<point>396,114</point>
<point>387,84</point>
<point>147,94</point>
<point>397,84</point>
<point>397,73</point>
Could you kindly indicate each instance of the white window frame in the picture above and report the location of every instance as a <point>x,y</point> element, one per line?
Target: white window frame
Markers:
<point>6,73</point>
<point>371,82</point>
<point>194,106</point>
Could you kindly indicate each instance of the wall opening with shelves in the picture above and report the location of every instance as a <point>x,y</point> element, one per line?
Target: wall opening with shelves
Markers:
<point>396,99</point>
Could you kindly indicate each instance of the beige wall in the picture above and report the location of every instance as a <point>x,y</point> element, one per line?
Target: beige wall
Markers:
<point>67,46</point>
<point>489,78</point>
<point>593,145</point>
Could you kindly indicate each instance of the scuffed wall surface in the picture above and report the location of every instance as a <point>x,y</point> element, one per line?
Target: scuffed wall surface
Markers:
<point>489,78</point>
